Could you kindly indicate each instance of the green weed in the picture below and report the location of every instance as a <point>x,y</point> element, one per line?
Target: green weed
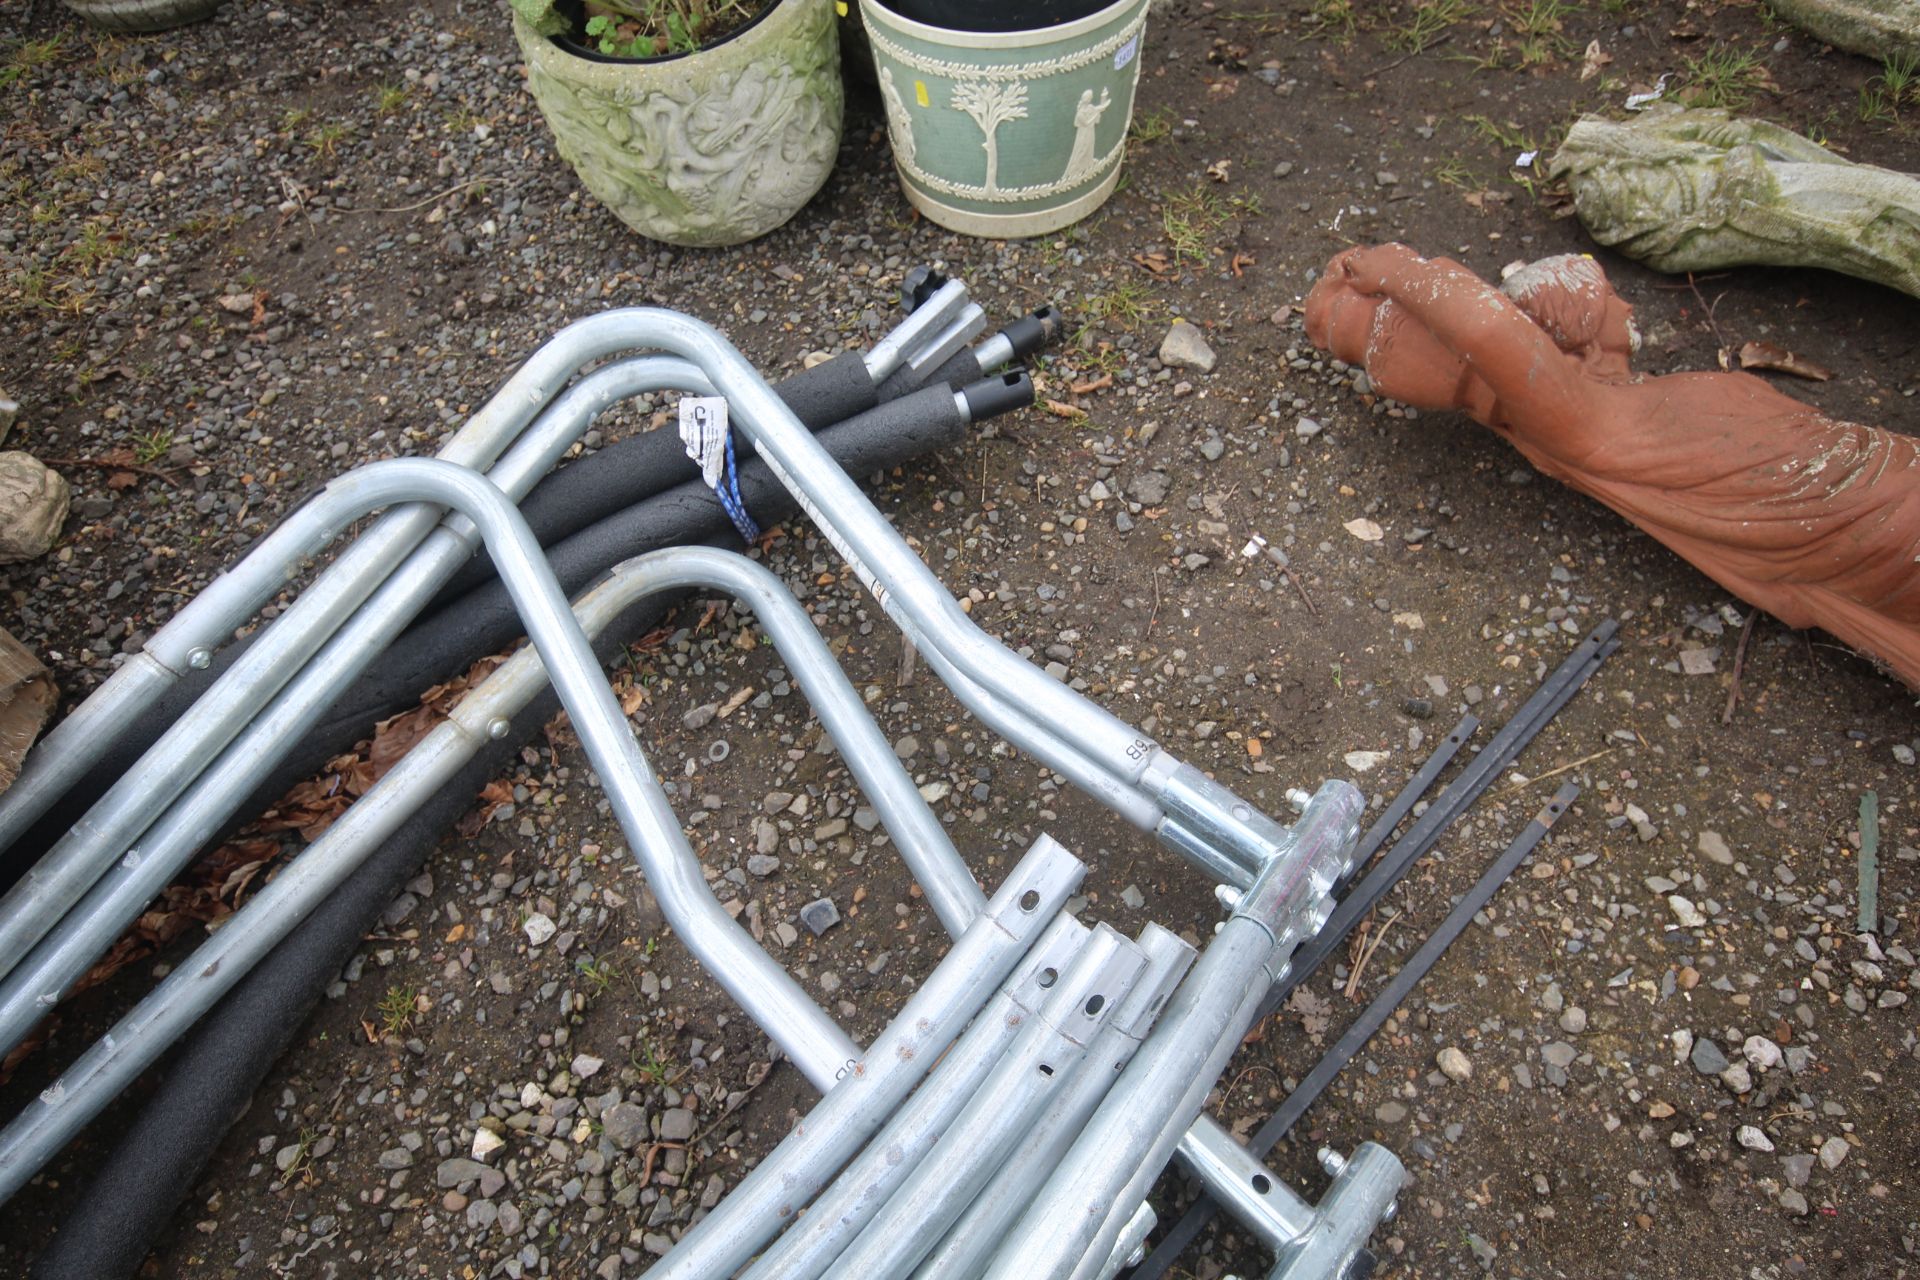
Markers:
<point>27,57</point>
<point>325,141</point>
<point>1508,136</point>
<point>653,1066</point>
<point>301,1169</point>
<point>1724,77</point>
<point>1336,16</point>
<point>152,446</point>
<point>1454,173</point>
<point>1430,20</point>
<point>1151,126</point>
<point>1124,306</point>
<point>396,1009</point>
<point>598,975</point>
<point>1898,83</point>
<point>1192,218</point>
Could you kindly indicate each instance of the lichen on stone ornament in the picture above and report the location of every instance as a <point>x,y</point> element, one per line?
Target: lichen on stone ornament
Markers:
<point>706,150</point>
<point>1697,190</point>
<point>1880,29</point>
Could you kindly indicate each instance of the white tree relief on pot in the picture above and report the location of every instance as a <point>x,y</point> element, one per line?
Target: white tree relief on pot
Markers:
<point>991,105</point>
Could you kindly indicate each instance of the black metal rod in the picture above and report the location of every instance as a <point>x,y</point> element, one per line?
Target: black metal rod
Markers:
<point>1409,796</point>
<point>1513,738</point>
<point>1370,1021</point>
<point>1554,693</point>
<point>1417,967</point>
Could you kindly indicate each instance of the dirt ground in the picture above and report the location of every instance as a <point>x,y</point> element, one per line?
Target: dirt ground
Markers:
<point>411,258</point>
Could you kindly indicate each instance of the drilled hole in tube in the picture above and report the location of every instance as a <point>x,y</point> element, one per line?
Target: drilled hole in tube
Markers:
<point>1029,900</point>
<point>1045,1070</point>
<point>1262,1183</point>
<point>1048,977</point>
<point>1095,1004</point>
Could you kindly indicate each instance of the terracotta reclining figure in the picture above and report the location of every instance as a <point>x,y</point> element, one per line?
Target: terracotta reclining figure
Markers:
<point>1814,520</point>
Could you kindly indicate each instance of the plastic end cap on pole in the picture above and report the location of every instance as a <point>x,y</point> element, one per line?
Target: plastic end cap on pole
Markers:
<point>1002,393</point>
<point>1035,330</point>
<point>920,284</point>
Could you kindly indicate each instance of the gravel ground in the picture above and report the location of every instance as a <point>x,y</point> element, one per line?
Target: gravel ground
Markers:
<point>257,252</point>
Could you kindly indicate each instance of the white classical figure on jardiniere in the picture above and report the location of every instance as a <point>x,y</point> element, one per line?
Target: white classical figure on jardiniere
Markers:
<point>1086,117</point>
<point>903,144</point>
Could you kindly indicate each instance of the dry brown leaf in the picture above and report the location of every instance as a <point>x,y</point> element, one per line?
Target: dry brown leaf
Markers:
<point>1594,59</point>
<point>397,735</point>
<point>1315,1011</point>
<point>1240,263</point>
<point>122,480</point>
<point>1061,409</point>
<point>493,797</point>
<point>632,696</point>
<point>1157,263</point>
<point>1765,355</point>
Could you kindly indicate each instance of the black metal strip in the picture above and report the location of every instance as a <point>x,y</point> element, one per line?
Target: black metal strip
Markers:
<point>1370,1021</point>
<point>1417,967</point>
<point>1554,693</point>
<point>1479,774</point>
<point>1409,796</point>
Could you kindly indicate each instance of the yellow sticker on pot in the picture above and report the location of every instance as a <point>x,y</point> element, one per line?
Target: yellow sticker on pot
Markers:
<point>920,93</point>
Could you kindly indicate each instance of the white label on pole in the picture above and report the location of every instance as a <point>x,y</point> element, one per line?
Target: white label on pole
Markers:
<point>703,429</point>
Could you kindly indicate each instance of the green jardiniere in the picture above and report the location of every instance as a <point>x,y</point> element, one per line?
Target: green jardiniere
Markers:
<point>707,148</point>
<point>1007,134</point>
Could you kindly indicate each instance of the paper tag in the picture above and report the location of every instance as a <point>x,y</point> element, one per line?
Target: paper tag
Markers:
<point>703,429</point>
<point>1124,54</point>
<point>1641,101</point>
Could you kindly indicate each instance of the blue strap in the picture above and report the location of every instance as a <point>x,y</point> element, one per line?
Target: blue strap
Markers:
<point>728,491</point>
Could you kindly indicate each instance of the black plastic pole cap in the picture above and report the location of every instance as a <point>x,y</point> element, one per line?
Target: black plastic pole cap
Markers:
<point>1004,392</point>
<point>920,284</point>
<point>1035,330</point>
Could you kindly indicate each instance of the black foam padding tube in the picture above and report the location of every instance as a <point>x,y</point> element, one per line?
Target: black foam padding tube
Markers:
<point>445,643</point>
<point>214,1073</point>
<point>210,1080</point>
<point>635,469</point>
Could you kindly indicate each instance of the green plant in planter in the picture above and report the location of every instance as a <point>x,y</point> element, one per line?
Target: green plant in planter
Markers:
<point>643,28</point>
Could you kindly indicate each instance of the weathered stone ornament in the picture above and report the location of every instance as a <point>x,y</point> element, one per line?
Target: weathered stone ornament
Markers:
<point>707,149</point>
<point>1696,190</point>
<point>1880,29</point>
<point>33,506</point>
<point>1817,521</point>
<point>27,698</point>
